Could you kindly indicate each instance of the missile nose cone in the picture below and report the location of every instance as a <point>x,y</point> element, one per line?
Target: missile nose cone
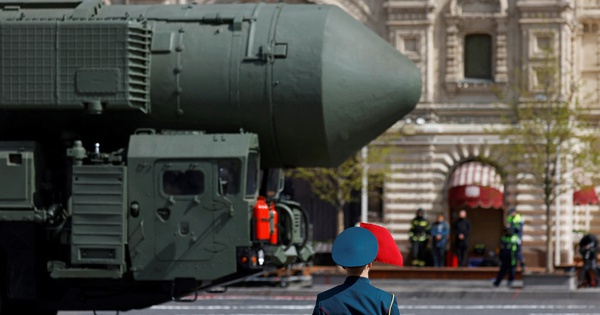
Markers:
<point>362,86</point>
<point>367,86</point>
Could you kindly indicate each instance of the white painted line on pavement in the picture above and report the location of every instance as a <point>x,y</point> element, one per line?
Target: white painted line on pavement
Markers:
<point>401,307</point>
<point>232,307</point>
<point>256,297</point>
<point>496,307</point>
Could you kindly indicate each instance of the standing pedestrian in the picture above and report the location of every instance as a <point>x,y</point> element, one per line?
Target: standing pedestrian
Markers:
<point>508,259</point>
<point>355,249</point>
<point>588,248</point>
<point>462,229</point>
<point>419,237</point>
<point>439,237</point>
<point>515,222</point>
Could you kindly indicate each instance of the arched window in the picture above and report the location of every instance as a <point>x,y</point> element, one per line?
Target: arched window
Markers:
<point>478,57</point>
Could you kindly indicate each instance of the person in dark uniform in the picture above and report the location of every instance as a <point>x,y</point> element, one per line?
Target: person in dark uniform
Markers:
<point>508,257</point>
<point>355,249</point>
<point>588,248</point>
<point>461,229</point>
<point>419,237</point>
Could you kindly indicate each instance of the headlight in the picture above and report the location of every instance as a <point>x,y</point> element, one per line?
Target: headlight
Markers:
<point>261,257</point>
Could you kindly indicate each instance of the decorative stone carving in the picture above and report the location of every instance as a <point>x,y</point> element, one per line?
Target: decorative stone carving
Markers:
<point>590,27</point>
<point>459,7</point>
<point>479,6</point>
<point>546,28</point>
<point>542,41</point>
<point>411,30</point>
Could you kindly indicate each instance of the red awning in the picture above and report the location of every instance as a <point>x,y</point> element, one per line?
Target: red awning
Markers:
<point>585,196</point>
<point>475,197</point>
<point>475,185</point>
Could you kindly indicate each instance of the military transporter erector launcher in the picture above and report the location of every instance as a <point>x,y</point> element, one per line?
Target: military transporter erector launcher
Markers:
<point>135,141</point>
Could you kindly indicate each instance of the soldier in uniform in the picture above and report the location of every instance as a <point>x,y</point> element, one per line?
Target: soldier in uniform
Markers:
<point>419,237</point>
<point>354,250</point>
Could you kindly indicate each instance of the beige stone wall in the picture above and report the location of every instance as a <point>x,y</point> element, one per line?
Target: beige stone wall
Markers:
<point>457,111</point>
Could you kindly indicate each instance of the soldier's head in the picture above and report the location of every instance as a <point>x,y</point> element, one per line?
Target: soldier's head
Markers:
<point>354,249</point>
<point>420,212</point>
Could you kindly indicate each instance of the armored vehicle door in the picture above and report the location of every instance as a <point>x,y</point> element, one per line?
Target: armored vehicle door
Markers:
<point>185,209</point>
<point>189,206</point>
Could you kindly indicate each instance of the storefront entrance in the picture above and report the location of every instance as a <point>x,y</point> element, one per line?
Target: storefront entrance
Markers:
<point>478,189</point>
<point>486,230</point>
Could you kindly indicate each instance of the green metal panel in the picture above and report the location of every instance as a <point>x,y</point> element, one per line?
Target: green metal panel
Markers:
<point>187,220</point>
<point>254,66</point>
<point>364,86</point>
<point>93,65</point>
<point>98,215</point>
<point>189,145</point>
<point>17,175</point>
<point>176,233</point>
<point>299,76</point>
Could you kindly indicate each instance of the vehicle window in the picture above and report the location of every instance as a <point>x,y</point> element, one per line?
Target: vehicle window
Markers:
<point>252,174</point>
<point>179,183</point>
<point>274,182</point>
<point>229,174</point>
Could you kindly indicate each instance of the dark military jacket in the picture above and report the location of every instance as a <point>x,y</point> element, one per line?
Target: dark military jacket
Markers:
<point>461,226</point>
<point>354,297</point>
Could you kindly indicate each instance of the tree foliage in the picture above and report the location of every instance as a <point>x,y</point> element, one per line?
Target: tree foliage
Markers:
<point>551,140</point>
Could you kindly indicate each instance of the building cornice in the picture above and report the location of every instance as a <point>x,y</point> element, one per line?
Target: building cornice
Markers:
<point>428,5</point>
<point>544,5</point>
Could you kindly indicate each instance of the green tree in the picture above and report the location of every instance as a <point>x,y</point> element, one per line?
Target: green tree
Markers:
<point>548,134</point>
<point>338,186</point>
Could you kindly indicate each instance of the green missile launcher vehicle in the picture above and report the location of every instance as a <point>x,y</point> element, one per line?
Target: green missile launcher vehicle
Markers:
<point>141,146</point>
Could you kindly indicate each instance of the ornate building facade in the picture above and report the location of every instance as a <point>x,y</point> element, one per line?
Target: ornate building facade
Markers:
<point>445,139</point>
<point>450,127</point>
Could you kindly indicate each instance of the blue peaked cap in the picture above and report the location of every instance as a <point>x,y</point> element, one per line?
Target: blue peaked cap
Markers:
<point>354,247</point>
